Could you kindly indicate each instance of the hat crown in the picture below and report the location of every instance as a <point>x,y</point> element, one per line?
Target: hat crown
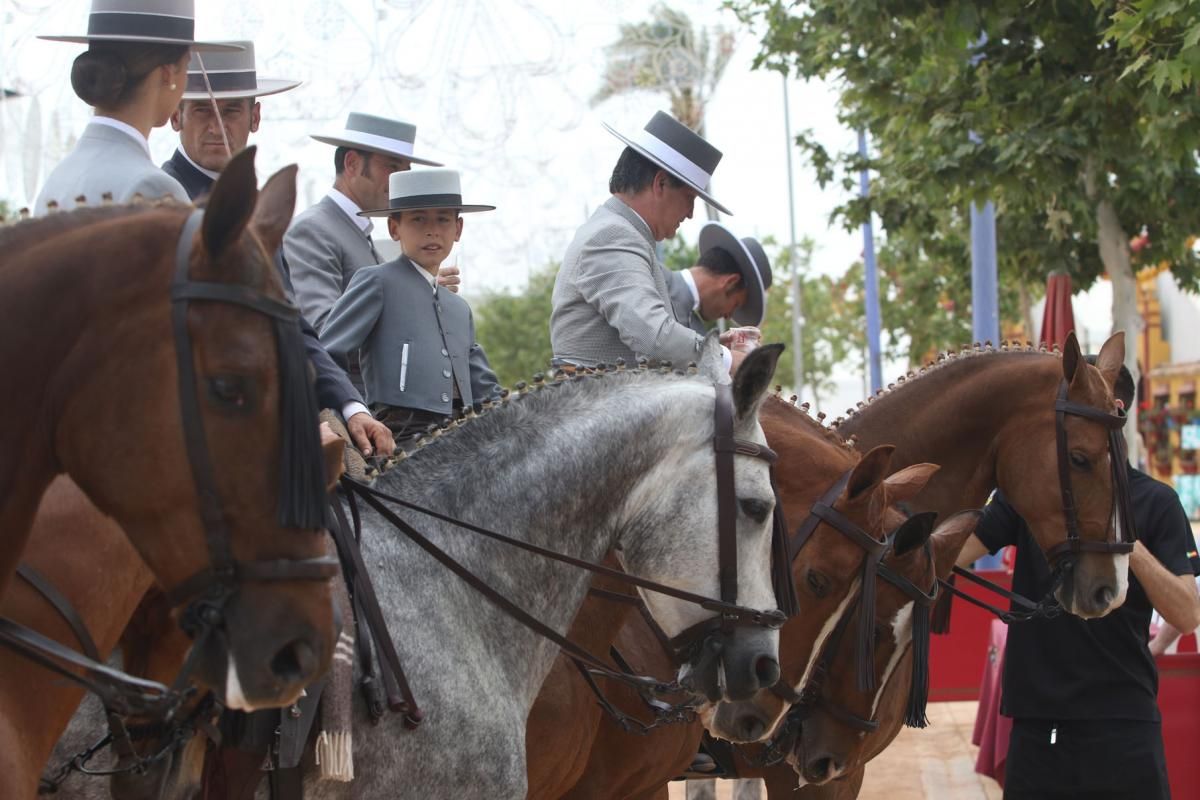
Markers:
<point>225,61</point>
<point>426,183</point>
<point>166,19</point>
<point>176,8</point>
<point>684,140</point>
<point>381,126</point>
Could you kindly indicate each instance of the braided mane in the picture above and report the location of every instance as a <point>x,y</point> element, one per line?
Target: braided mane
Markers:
<point>817,424</point>
<point>26,231</point>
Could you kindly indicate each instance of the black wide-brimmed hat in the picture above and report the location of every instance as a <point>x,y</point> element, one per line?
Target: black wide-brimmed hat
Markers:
<point>679,150</point>
<point>232,76</point>
<point>149,21</point>
<point>377,135</point>
<point>424,188</point>
<point>754,265</point>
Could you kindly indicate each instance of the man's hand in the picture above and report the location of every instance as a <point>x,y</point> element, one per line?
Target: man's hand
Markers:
<point>449,277</point>
<point>370,435</point>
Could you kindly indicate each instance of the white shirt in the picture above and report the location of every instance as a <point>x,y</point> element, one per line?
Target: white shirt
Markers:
<point>351,208</point>
<point>691,284</point>
<point>210,173</point>
<point>126,129</point>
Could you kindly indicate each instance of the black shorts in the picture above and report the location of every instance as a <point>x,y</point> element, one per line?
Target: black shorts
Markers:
<point>1093,759</point>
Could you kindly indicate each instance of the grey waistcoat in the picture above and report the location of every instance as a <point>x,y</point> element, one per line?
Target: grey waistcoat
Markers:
<point>682,302</point>
<point>414,343</point>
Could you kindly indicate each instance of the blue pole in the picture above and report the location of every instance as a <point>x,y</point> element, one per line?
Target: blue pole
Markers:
<point>871,279</point>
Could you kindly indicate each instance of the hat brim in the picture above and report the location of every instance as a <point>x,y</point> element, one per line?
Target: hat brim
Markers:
<point>700,190</point>
<point>347,139</point>
<point>204,47</point>
<point>266,86</point>
<point>754,310</point>
<point>387,212</point>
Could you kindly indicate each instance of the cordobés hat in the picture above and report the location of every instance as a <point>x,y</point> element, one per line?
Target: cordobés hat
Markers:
<point>679,150</point>
<point>424,188</point>
<point>377,135</point>
<point>751,260</point>
<point>232,75</point>
<point>150,21</point>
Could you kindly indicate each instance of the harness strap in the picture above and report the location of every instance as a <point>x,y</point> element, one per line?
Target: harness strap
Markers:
<point>64,608</point>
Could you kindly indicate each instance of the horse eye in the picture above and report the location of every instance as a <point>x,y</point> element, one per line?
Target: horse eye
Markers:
<point>817,583</point>
<point>756,510</point>
<point>1079,460</point>
<point>228,390</point>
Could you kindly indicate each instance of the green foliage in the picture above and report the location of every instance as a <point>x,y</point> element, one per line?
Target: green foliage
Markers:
<point>514,327</point>
<point>678,253</point>
<point>1161,40</point>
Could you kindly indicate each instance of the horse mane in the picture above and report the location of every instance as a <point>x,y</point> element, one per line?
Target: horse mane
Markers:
<point>945,360</point>
<point>815,424</point>
<point>18,235</point>
<point>531,401</point>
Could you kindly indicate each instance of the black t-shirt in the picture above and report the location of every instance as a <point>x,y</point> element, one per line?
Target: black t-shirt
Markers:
<point>1069,668</point>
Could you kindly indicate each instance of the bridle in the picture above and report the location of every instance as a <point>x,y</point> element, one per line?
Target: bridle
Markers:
<point>729,614</point>
<point>301,498</point>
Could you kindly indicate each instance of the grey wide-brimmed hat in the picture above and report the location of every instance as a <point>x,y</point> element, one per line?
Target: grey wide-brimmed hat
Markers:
<point>149,21</point>
<point>679,150</point>
<point>377,135</point>
<point>424,188</point>
<point>232,76</point>
<point>754,265</point>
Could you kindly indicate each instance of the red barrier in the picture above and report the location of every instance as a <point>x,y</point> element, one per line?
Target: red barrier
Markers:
<point>1179,701</point>
<point>956,659</point>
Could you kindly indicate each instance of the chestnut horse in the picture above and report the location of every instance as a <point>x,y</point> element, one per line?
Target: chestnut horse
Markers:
<point>119,307</point>
<point>563,727</point>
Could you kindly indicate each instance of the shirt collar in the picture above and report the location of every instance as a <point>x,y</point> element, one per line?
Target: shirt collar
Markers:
<point>208,172</point>
<point>124,128</point>
<point>432,279</point>
<point>351,208</point>
<point>691,284</point>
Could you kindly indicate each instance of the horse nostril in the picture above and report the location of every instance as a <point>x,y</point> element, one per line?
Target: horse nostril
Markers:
<point>766,669</point>
<point>750,728</point>
<point>1103,596</point>
<point>820,770</point>
<point>295,662</point>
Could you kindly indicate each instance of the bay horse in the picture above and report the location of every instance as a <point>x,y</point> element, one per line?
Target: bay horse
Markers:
<point>574,751</point>
<point>160,367</point>
<point>581,465</point>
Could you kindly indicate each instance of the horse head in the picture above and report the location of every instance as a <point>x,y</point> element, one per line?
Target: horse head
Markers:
<point>1031,472</point>
<point>828,566</point>
<point>842,726</point>
<point>233,552</point>
<point>681,492</point>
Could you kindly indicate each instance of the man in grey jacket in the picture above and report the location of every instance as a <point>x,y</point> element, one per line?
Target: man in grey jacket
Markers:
<point>729,281</point>
<point>610,298</point>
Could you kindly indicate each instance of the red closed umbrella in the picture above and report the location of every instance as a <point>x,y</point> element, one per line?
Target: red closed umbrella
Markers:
<point>1058,319</point>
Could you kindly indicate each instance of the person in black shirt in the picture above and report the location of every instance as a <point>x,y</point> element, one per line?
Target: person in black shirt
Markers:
<point>1082,693</point>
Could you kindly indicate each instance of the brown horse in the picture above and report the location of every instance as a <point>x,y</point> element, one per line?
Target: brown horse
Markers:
<point>811,460</point>
<point>91,292</point>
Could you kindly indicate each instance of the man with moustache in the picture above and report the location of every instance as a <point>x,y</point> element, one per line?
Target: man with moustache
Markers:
<point>611,299</point>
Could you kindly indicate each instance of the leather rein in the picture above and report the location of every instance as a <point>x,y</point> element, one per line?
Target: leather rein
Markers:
<point>728,613</point>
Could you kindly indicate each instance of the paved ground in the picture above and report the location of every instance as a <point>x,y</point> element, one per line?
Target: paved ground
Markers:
<point>937,763</point>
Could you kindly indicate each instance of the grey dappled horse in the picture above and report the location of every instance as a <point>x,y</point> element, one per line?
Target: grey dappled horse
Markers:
<point>624,460</point>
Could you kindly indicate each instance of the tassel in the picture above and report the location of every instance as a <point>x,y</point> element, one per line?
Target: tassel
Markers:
<point>942,606</point>
<point>918,692</point>
<point>866,627</point>
<point>302,501</point>
<point>335,756</point>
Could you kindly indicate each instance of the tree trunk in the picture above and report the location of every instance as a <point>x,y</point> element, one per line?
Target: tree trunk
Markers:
<point>1114,252</point>
<point>1027,312</point>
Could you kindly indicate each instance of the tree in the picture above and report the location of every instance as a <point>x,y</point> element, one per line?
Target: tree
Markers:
<point>1019,102</point>
<point>514,327</point>
<point>1162,38</point>
<point>668,54</point>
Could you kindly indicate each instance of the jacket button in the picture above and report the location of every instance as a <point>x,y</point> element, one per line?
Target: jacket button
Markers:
<point>445,352</point>
<point>445,373</point>
<point>445,397</point>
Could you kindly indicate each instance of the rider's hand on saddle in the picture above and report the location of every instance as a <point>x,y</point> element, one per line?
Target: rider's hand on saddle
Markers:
<point>370,435</point>
<point>449,277</point>
<point>741,340</point>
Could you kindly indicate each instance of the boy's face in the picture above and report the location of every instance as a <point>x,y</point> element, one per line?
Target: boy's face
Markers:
<point>426,235</point>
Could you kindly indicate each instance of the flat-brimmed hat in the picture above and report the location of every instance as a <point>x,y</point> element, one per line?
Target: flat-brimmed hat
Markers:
<point>149,21</point>
<point>753,263</point>
<point>679,150</point>
<point>424,188</point>
<point>377,135</point>
<point>232,76</point>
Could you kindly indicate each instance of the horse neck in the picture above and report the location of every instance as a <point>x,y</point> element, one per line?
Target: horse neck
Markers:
<point>958,415</point>
<point>71,309</point>
<point>811,457</point>
<point>87,557</point>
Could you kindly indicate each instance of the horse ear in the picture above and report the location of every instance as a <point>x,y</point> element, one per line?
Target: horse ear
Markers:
<point>1070,357</point>
<point>1112,356</point>
<point>712,363</point>
<point>949,538</point>
<point>752,380</point>
<point>230,204</point>
<point>904,485</point>
<point>913,532</point>
<point>276,204</point>
<point>870,471</point>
